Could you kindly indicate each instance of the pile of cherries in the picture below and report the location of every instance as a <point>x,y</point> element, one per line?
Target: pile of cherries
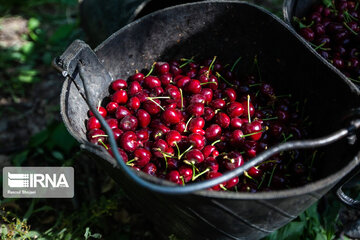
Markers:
<point>187,121</point>
<point>333,29</point>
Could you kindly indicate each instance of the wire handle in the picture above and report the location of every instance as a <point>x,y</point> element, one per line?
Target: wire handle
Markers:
<point>86,72</point>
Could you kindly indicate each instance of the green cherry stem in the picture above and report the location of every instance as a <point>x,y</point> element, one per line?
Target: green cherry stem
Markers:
<point>182,99</point>
<point>253,133</point>
<point>217,141</point>
<point>268,119</point>
<point>187,61</point>
<point>223,187</point>
<point>187,123</point>
<point>211,64</point>
<point>180,156</point>
<point>99,135</point>
<point>200,174</point>
<point>222,78</point>
<point>248,108</point>
<point>350,29</point>
<point>130,163</point>
<point>235,63</point>
<point>151,70</point>
<point>102,143</point>
<point>178,149</point>
<point>151,99</point>
<point>204,83</point>
<point>271,176</point>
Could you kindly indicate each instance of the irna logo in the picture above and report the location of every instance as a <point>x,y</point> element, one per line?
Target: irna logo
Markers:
<point>33,180</point>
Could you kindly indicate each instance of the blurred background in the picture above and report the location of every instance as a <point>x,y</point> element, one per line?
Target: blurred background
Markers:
<point>34,32</point>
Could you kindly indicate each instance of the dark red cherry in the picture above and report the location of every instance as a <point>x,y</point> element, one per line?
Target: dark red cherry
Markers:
<point>180,127</point>
<point>134,103</point>
<point>222,119</point>
<point>197,140</point>
<point>193,86</point>
<point>134,88</point>
<point>122,112</point>
<point>143,118</point>
<point>118,84</point>
<point>96,135</point>
<point>166,79</point>
<point>112,122</point>
<point>236,137</point>
<point>236,123</point>
<point>141,157</point>
<point>208,151</point>
<point>150,169</point>
<point>232,182</point>
<point>308,34</point>
<point>152,82</point>
<point>255,172</point>
<point>182,81</point>
<point>129,141</point>
<point>197,98</point>
<point>235,109</point>
<point>142,135</point>
<point>209,113</point>
<point>212,175</point>
<point>162,67</point>
<point>218,104</point>
<point>159,146</point>
<point>197,122</point>
<point>173,137</point>
<point>230,94</point>
<point>171,116</point>
<point>186,172</point>
<point>117,133</point>
<point>253,127</point>
<point>173,92</point>
<point>151,107</point>
<point>194,156</point>
<point>174,176</point>
<point>111,107</point>
<point>128,123</point>
<point>139,77</point>
<point>213,132</point>
<point>196,109</point>
<point>208,94</point>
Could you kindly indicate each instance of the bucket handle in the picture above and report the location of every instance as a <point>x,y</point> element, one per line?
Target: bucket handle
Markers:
<point>85,67</point>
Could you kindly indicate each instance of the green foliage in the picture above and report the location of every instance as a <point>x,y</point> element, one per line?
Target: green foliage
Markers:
<point>51,28</point>
<point>309,225</point>
<point>54,145</point>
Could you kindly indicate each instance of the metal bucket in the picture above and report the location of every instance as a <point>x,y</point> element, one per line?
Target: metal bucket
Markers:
<point>227,29</point>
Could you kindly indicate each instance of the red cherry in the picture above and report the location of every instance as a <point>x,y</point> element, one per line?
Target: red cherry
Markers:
<point>230,94</point>
<point>134,88</point>
<point>232,182</point>
<point>236,137</point>
<point>173,137</point>
<point>122,112</point>
<point>150,169</point>
<point>197,98</point>
<point>182,81</point>
<point>117,133</point>
<point>174,176</point>
<point>212,175</point>
<point>254,172</point>
<point>251,107</point>
<point>208,94</point>
<point>253,127</point>
<point>134,103</point>
<point>93,123</point>
<point>151,107</point>
<point>142,157</point>
<point>101,110</point>
<point>162,67</point>
<point>196,109</point>
<point>180,127</point>
<point>235,109</point>
<point>186,173</point>
<point>166,79</point>
<point>171,116</point>
<point>194,156</point>
<point>218,104</point>
<point>128,123</point>
<point>236,123</point>
<point>143,118</point>
<point>159,146</point>
<point>193,86</point>
<point>208,150</point>
<point>129,141</point>
<point>96,135</point>
<point>197,122</point>
<point>118,84</point>
<point>197,140</point>
<point>139,77</point>
<point>112,122</point>
<point>222,119</point>
<point>209,113</point>
<point>213,132</point>
<point>120,97</point>
<point>152,82</point>
<point>173,92</point>
<point>233,160</point>
<point>111,107</point>
<point>122,154</point>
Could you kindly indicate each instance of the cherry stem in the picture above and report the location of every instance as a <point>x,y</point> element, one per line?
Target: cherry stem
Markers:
<point>248,176</point>
<point>101,141</point>
<point>180,156</point>
<point>222,78</point>
<point>187,123</point>
<point>187,61</point>
<point>222,187</point>
<point>302,25</point>
<point>255,84</point>
<point>211,64</point>
<point>178,149</point>
<point>130,163</point>
<point>271,176</point>
<point>156,103</point>
<point>316,47</point>
<point>350,29</point>
<point>99,135</point>
<point>151,70</point>
<point>268,119</point>
<point>217,141</point>
<point>200,174</point>
<point>253,133</point>
<point>182,99</point>
<point>261,182</point>
<point>99,105</point>
<point>287,138</point>
<point>182,180</point>
<point>166,97</point>
<point>166,162</point>
<point>204,83</point>
<point>235,63</point>
<point>248,108</point>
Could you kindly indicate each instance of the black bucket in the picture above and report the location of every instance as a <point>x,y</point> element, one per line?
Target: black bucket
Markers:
<point>227,29</point>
